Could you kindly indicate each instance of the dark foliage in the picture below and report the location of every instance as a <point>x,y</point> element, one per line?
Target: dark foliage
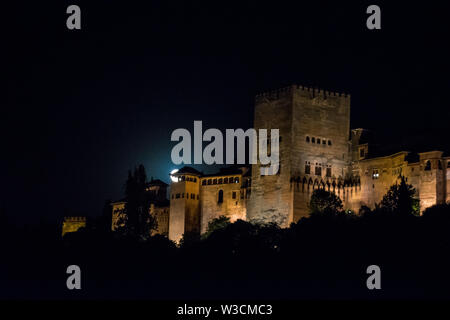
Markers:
<point>325,203</point>
<point>322,256</point>
<point>137,220</point>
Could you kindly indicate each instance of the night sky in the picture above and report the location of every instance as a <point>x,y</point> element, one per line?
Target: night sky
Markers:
<point>81,107</point>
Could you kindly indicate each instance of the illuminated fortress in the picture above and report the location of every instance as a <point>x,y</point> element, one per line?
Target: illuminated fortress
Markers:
<point>317,150</point>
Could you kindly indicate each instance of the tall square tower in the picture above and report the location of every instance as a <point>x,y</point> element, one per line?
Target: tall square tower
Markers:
<point>314,128</point>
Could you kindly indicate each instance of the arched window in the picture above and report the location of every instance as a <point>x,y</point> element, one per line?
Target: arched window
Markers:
<point>225,180</point>
<point>329,142</point>
<point>307,167</point>
<point>220,181</point>
<point>428,165</point>
<point>215,181</point>
<point>307,139</point>
<point>313,140</point>
<point>203,182</point>
<point>236,180</point>
<point>209,181</point>
<point>220,197</point>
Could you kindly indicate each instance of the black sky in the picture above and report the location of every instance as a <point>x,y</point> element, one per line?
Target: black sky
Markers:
<point>82,107</point>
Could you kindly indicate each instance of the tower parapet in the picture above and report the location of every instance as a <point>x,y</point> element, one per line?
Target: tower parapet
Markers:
<point>73,224</point>
<point>311,92</point>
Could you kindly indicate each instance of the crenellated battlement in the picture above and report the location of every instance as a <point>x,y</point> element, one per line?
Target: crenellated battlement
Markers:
<point>74,219</point>
<point>73,224</point>
<point>311,92</point>
<point>275,94</point>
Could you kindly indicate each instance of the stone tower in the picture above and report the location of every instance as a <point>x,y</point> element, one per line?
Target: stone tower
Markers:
<point>432,180</point>
<point>314,128</point>
<point>184,215</point>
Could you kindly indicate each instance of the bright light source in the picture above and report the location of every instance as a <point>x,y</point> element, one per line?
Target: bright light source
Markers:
<point>173,178</point>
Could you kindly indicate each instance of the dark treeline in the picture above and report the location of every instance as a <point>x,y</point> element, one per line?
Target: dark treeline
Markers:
<point>322,256</point>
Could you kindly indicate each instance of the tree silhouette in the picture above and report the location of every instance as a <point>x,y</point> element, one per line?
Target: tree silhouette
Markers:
<point>324,202</point>
<point>138,222</point>
<point>216,224</point>
<point>400,199</point>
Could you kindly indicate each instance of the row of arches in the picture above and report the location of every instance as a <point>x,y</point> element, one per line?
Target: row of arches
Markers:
<point>307,185</point>
<point>439,166</point>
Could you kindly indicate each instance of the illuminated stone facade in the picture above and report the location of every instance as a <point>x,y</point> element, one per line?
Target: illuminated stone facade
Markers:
<point>73,224</point>
<point>196,199</point>
<point>317,150</point>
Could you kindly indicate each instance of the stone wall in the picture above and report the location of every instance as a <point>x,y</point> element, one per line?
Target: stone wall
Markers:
<point>432,179</point>
<point>73,224</point>
<point>377,175</point>
<point>314,129</point>
<point>271,197</point>
<point>184,213</point>
<point>118,215</point>
<point>320,131</point>
<point>447,174</point>
<point>161,215</point>
<point>211,208</point>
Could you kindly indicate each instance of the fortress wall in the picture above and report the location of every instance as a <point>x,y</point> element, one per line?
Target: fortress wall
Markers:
<point>447,179</point>
<point>431,182</point>
<point>211,209</point>
<point>388,168</point>
<point>162,218</point>
<point>177,212</point>
<point>320,115</point>
<point>73,224</point>
<point>271,197</point>
<point>117,212</point>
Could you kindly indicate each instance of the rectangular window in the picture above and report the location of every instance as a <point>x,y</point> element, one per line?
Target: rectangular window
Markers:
<point>234,194</point>
<point>328,171</point>
<point>307,168</point>
<point>361,153</point>
<point>318,170</point>
<point>178,196</point>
